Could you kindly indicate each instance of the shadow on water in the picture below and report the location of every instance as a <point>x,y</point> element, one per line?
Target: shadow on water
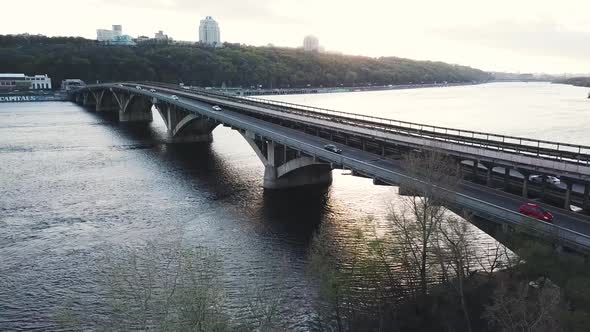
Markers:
<point>293,213</point>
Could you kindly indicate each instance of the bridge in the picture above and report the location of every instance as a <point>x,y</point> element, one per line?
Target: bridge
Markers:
<point>289,139</point>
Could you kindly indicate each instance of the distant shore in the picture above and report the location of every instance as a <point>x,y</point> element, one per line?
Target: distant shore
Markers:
<point>316,90</point>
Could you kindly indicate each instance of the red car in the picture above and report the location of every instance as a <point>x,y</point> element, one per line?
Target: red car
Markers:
<point>535,211</point>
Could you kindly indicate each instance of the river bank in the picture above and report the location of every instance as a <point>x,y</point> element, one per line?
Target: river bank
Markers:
<point>340,89</point>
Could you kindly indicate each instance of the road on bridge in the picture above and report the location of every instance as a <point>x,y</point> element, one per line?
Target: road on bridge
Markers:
<point>570,220</point>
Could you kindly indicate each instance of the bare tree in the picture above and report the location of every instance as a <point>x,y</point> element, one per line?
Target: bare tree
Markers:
<point>458,254</point>
<point>164,287</point>
<point>525,308</point>
<point>416,222</point>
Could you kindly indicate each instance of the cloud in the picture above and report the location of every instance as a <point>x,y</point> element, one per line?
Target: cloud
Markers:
<point>541,38</point>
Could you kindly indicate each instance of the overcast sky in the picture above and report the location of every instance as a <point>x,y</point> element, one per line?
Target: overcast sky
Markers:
<point>506,35</point>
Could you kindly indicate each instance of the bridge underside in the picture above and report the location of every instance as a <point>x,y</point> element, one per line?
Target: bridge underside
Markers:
<point>283,167</point>
<point>182,126</point>
<point>288,168</point>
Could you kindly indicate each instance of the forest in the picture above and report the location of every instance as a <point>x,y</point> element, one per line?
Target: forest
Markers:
<point>234,65</point>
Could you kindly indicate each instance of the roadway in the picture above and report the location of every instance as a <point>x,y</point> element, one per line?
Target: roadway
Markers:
<point>313,145</point>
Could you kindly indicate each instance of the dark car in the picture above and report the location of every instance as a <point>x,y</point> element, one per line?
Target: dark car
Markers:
<point>535,211</point>
<point>332,148</point>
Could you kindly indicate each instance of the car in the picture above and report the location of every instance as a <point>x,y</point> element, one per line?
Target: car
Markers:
<point>535,211</point>
<point>186,87</point>
<point>332,148</point>
<point>216,108</point>
<point>152,90</point>
<point>121,85</point>
<point>554,180</point>
<point>175,97</point>
<point>138,87</point>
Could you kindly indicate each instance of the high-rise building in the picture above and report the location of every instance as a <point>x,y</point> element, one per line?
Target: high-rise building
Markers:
<point>209,32</point>
<point>311,44</point>
<point>117,30</point>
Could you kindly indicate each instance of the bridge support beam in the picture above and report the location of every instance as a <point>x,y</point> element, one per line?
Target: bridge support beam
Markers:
<point>135,108</point>
<point>489,170</point>
<point>506,178</point>
<point>525,182</point>
<point>286,168</point>
<point>568,193</point>
<point>184,126</point>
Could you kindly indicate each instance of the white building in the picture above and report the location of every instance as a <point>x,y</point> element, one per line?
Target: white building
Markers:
<point>105,35</point>
<point>311,44</point>
<point>209,32</point>
<point>23,82</point>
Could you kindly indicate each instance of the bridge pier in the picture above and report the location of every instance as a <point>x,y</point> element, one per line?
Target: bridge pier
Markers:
<point>489,168</point>
<point>506,178</point>
<point>185,127</point>
<point>134,108</point>
<point>525,182</point>
<point>286,168</point>
<point>568,193</point>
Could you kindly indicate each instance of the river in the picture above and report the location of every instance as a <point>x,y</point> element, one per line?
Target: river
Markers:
<point>74,185</point>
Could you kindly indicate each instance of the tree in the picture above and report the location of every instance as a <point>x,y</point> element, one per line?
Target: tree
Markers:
<point>418,220</point>
<point>526,309</point>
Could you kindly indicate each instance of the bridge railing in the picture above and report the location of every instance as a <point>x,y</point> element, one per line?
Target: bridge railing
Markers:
<point>481,208</point>
<point>562,152</point>
<point>556,151</point>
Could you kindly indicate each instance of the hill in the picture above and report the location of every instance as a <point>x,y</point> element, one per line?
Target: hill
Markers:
<point>233,64</point>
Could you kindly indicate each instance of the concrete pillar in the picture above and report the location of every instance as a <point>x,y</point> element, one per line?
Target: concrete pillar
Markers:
<point>459,170</point>
<point>475,170</point>
<point>525,182</point>
<point>586,203</point>
<point>525,186</point>
<point>489,168</point>
<point>506,178</point>
<point>568,194</point>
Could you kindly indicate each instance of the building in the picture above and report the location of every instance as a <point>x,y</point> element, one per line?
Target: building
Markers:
<point>72,84</point>
<point>122,40</point>
<point>10,82</point>
<point>311,44</point>
<point>161,36</point>
<point>114,36</point>
<point>209,32</point>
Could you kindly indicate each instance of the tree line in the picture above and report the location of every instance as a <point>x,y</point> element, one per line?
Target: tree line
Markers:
<point>234,65</point>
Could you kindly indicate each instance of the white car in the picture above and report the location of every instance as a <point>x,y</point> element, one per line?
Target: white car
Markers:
<point>152,90</point>
<point>554,180</point>
<point>138,87</point>
<point>216,108</point>
<point>121,85</point>
<point>175,97</point>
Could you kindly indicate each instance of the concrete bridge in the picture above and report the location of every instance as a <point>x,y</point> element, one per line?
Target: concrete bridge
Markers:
<point>289,139</point>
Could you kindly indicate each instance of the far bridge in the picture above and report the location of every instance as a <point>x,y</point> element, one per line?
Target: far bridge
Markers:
<point>289,139</point>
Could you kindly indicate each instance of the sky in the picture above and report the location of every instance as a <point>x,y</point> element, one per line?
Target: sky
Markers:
<point>501,35</point>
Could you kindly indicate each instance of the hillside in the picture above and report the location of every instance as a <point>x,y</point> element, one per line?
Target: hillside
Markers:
<point>577,81</point>
<point>235,65</point>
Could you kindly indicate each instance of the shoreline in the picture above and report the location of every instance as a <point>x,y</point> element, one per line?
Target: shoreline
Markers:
<point>300,91</point>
